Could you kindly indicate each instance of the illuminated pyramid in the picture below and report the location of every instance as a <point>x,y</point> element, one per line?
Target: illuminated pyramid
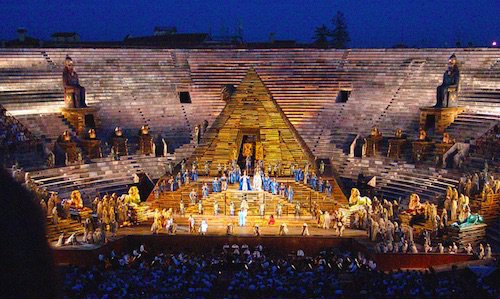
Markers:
<point>252,111</point>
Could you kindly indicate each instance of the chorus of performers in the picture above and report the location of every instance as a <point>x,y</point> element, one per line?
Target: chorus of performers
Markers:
<point>174,182</point>
<point>231,173</point>
<point>313,181</point>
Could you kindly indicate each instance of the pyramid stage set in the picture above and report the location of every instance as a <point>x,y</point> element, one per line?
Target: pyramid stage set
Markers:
<point>372,150</point>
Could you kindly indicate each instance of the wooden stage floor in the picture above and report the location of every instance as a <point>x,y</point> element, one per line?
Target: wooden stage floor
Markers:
<point>219,230</point>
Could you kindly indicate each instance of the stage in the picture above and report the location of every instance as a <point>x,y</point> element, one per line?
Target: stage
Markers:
<point>320,240</point>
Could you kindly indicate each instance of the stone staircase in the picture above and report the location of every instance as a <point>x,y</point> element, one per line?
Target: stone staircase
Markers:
<point>99,177</point>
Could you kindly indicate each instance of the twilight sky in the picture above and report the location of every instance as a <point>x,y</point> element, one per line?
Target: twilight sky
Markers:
<point>422,23</point>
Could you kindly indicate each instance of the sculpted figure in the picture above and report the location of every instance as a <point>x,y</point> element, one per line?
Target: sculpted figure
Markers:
<point>468,219</point>
<point>414,206</point>
<point>447,138</point>
<point>450,83</point>
<point>76,200</point>
<point>422,134</point>
<point>119,144</point>
<point>133,196</point>
<point>357,202</point>
<point>92,134</point>
<point>74,93</point>
<point>399,133</point>
<point>374,132</point>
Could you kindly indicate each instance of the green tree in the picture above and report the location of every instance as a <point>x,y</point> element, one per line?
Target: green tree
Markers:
<point>321,35</point>
<point>340,36</point>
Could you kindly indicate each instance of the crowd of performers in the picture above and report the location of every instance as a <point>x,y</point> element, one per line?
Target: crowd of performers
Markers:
<point>229,174</point>
<point>392,227</point>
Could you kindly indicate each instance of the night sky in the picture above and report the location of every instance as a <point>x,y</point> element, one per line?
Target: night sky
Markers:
<point>370,23</point>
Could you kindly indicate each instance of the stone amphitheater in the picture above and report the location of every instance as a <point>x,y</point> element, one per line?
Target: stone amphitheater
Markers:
<point>332,99</point>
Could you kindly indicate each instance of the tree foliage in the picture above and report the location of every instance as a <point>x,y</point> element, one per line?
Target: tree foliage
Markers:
<point>338,37</point>
<point>321,35</point>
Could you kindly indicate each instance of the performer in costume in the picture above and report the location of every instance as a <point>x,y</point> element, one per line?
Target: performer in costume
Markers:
<point>204,190</point>
<point>231,208</point>
<point>223,181</point>
<point>267,183</point>
<point>257,181</point>
<point>248,163</point>
<point>214,185</point>
<point>328,188</point>
<point>279,209</point>
<point>237,173</point>
<point>245,182</point>
<point>290,193</point>
<point>275,187</point>
<point>283,190</point>
<point>242,214</point>
<point>232,176</point>
<point>207,168</point>
<point>193,196</point>
<point>313,182</point>
<point>216,208</point>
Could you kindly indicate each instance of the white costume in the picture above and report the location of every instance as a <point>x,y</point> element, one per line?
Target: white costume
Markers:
<point>203,227</point>
<point>257,181</point>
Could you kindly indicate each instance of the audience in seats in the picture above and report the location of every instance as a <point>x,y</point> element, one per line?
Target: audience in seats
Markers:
<point>241,271</point>
<point>14,138</point>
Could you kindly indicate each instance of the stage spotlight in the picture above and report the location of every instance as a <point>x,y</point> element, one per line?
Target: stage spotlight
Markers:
<point>494,44</point>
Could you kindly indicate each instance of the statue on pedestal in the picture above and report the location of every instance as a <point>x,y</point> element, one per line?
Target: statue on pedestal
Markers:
<point>76,200</point>
<point>396,144</point>
<point>119,144</point>
<point>422,134</point>
<point>91,145</point>
<point>446,92</point>
<point>133,197</point>
<point>358,202</point>
<point>74,93</point>
<point>372,142</point>
<point>145,141</point>
<point>66,150</point>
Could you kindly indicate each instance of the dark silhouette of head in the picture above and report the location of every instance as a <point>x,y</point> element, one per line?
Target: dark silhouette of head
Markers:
<point>26,263</point>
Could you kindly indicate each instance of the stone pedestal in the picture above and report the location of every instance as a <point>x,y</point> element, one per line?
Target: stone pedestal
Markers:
<point>68,149</point>
<point>421,150</point>
<point>373,145</point>
<point>91,147</point>
<point>473,234</point>
<point>81,118</point>
<point>146,144</point>
<point>439,150</point>
<point>120,145</point>
<point>438,118</point>
<point>396,147</point>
